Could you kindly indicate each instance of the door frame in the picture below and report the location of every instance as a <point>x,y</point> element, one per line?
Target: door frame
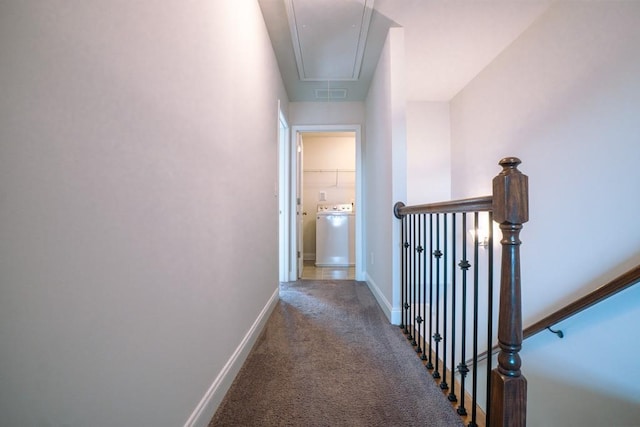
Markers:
<point>293,172</point>
<point>298,196</point>
<point>284,166</point>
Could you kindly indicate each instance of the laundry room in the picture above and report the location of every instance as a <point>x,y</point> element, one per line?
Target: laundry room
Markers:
<point>328,197</point>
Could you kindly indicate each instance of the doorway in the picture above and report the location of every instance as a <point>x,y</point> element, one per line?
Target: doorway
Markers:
<point>328,205</point>
<point>327,184</point>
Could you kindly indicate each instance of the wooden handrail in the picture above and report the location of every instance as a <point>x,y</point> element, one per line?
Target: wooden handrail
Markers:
<point>616,285</point>
<point>620,283</point>
<point>475,204</point>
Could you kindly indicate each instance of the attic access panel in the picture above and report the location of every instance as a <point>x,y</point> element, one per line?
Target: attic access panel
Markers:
<point>329,37</point>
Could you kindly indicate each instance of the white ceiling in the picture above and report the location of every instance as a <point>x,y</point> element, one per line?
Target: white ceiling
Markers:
<point>448,42</point>
<point>330,45</point>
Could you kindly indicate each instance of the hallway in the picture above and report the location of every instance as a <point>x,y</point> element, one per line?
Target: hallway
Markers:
<point>311,272</point>
<point>139,163</point>
<point>329,357</point>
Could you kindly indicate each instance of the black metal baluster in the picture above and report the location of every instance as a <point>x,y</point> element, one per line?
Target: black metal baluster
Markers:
<point>407,305</point>
<point>424,288</point>
<point>452,392</point>
<point>474,393</point>
<point>490,317</point>
<point>412,267</point>
<point>429,364</point>
<point>407,247</point>
<point>436,336</point>
<point>443,383</point>
<point>403,263</point>
<point>464,266</point>
<point>415,283</point>
<point>416,304</point>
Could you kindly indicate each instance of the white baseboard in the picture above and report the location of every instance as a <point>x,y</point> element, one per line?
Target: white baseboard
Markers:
<point>396,316</point>
<point>393,314</point>
<point>207,407</point>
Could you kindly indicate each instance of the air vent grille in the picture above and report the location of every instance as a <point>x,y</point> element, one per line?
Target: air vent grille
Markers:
<point>329,94</point>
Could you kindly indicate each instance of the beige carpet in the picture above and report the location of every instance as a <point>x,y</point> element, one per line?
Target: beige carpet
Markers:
<point>329,357</point>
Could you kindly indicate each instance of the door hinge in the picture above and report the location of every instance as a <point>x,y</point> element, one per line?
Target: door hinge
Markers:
<point>298,254</point>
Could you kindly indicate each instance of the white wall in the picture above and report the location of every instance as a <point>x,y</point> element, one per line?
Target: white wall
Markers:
<point>129,184</point>
<point>329,168</point>
<point>564,98</point>
<point>385,172</point>
<point>428,152</point>
<point>326,113</point>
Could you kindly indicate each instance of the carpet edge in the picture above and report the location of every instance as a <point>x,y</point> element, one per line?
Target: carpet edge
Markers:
<point>206,408</point>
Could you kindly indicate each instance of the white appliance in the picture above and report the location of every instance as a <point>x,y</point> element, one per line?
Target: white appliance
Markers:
<point>335,235</point>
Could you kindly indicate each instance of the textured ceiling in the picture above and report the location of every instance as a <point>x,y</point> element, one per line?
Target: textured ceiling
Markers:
<point>448,42</point>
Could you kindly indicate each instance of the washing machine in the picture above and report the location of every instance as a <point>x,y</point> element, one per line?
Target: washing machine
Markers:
<point>335,235</point>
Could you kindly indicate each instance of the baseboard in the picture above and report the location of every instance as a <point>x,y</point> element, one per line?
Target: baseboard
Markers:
<point>396,316</point>
<point>207,407</point>
<point>393,314</point>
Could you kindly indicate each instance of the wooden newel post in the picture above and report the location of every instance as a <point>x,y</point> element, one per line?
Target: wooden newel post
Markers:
<point>510,210</point>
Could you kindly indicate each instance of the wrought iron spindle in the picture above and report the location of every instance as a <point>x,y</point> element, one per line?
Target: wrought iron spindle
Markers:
<point>429,364</point>
<point>489,314</point>
<point>407,305</point>
<point>403,263</point>
<point>464,266</point>
<point>423,219</point>
<point>436,336</point>
<point>443,383</point>
<point>418,309</point>
<point>452,392</point>
<point>415,282</point>
<point>474,375</point>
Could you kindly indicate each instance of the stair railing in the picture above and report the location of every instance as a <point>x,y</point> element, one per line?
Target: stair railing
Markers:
<point>620,283</point>
<point>442,292</point>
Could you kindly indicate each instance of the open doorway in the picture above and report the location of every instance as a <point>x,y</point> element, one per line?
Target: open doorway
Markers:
<point>328,184</point>
<point>328,205</point>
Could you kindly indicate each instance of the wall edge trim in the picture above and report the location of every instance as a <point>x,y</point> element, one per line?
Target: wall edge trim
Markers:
<point>392,313</point>
<point>206,408</point>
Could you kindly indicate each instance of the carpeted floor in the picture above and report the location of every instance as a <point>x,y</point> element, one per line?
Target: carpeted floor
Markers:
<point>329,357</point>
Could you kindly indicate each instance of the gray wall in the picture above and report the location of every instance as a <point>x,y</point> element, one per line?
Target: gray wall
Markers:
<point>385,173</point>
<point>428,152</point>
<point>136,143</point>
<point>564,97</point>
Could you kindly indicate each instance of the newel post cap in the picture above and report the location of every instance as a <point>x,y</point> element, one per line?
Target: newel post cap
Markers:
<point>510,193</point>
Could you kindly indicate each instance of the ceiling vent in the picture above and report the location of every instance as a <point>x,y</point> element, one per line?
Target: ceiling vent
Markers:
<point>329,94</point>
<point>329,45</point>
